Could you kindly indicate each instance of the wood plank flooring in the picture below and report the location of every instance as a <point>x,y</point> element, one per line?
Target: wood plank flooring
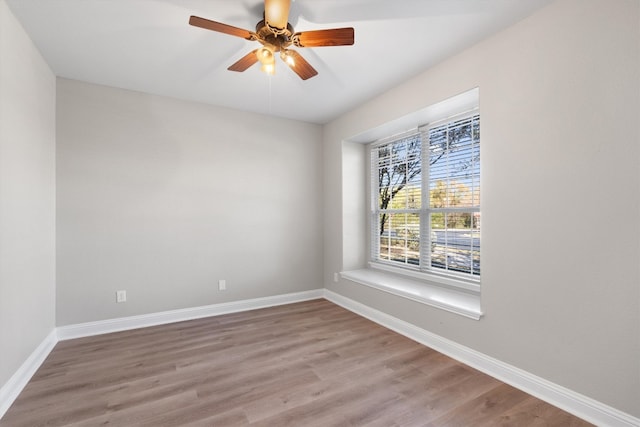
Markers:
<point>305,364</point>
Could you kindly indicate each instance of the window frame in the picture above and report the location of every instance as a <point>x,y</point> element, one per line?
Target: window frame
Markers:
<point>423,271</point>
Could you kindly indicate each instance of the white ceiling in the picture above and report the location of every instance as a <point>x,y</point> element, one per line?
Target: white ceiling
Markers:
<point>148,46</point>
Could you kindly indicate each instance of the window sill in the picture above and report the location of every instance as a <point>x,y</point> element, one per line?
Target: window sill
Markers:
<point>459,302</point>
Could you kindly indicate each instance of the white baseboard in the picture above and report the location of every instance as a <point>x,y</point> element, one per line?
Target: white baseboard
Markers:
<point>568,400</point>
<point>10,391</point>
<point>575,403</point>
<point>154,319</point>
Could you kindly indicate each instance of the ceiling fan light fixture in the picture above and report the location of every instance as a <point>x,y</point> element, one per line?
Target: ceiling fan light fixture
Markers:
<point>267,58</point>
<point>265,55</point>
<point>269,68</point>
<point>276,15</point>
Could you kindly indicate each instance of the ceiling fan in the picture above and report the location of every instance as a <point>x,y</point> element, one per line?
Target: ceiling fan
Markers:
<point>276,36</point>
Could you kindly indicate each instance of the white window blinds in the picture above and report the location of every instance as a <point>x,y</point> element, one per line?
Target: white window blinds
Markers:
<point>453,153</point>
<point>426,198</point>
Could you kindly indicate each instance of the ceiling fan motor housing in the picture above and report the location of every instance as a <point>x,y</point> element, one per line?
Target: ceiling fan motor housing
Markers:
<point>276,41</point>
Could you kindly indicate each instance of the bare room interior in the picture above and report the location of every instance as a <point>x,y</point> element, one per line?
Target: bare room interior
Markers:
<point>303,212</point>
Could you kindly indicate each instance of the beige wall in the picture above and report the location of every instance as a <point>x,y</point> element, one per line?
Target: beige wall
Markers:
<point>162,198</point>
<point>27,196</point>
<point>560,103</point>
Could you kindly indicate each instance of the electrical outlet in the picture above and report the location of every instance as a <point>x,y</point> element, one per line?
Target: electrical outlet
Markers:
<point>121,296</point>
<point>222,285</point>
<point>335,277</point>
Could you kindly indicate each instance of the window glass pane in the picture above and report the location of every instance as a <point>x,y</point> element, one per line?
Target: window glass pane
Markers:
<point>384,197</point>
<point>455,242</point>
<point>399,153</point>
<point>400,238</point>
<point>454,162</point>
<point>384,153</point>
<point>384,237</point>
<point>399,174</point>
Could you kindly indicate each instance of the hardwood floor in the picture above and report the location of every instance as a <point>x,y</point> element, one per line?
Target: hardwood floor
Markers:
<point>305,364</point>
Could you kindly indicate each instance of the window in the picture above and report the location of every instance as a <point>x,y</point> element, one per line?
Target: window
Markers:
<point>426,199</point>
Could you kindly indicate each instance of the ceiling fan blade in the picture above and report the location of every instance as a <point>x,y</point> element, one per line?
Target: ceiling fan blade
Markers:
<point>317,38</point>
<point>221,28</point>
<point>276,14</point>
<point>300,66</point>
<point>245,62</point>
